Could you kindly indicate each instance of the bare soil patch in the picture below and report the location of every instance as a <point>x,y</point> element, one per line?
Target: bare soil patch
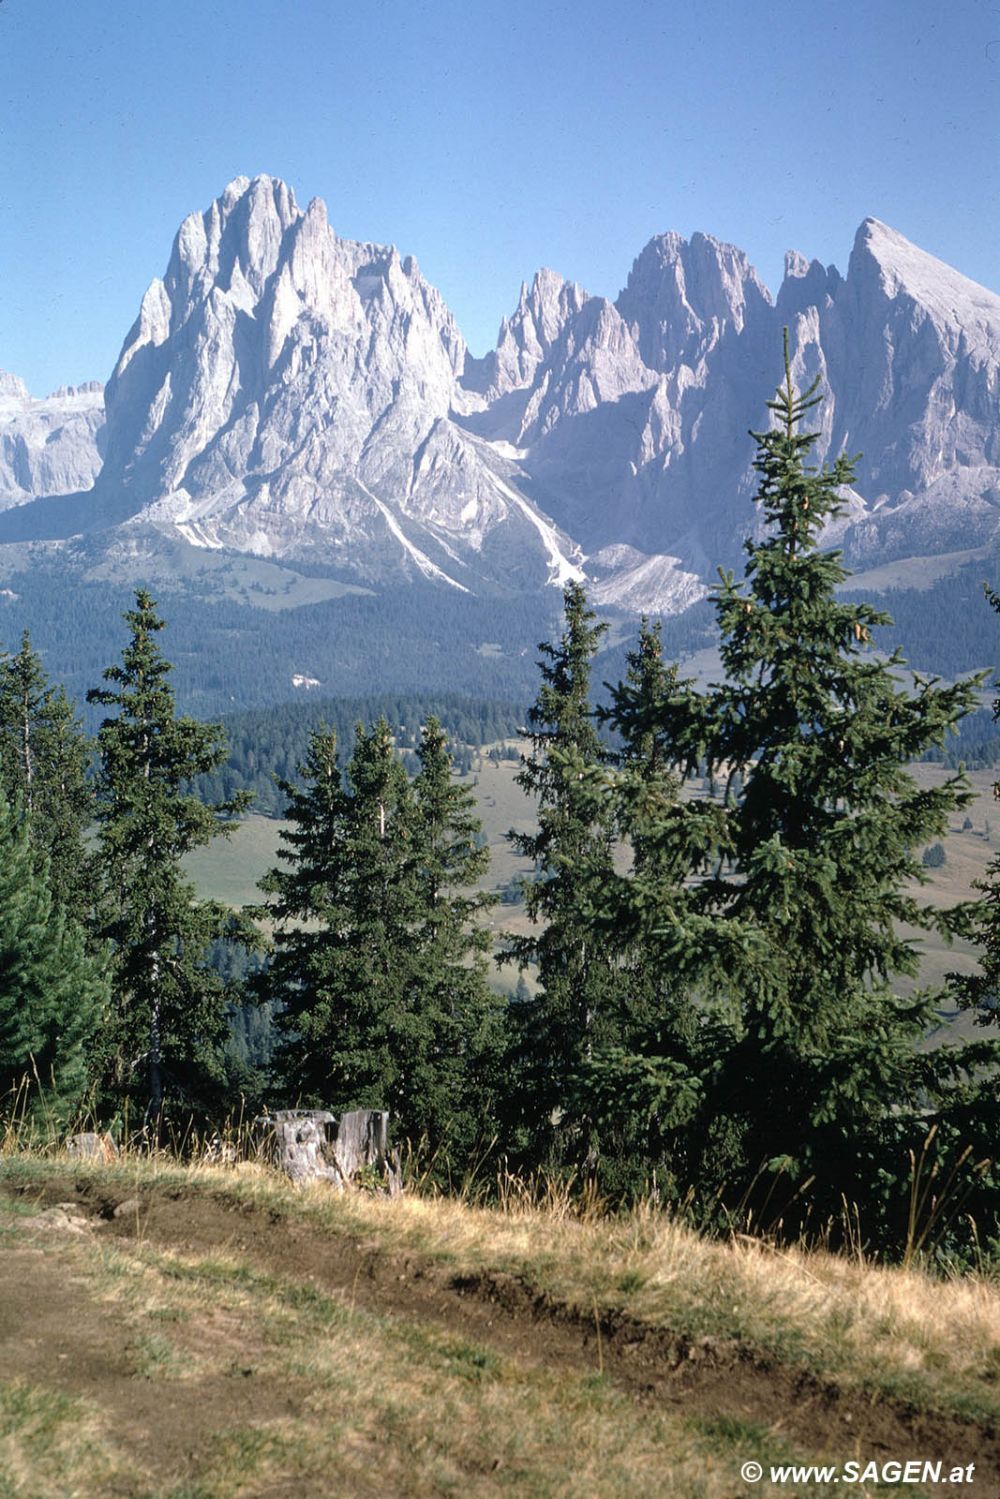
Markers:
<point>54,1333</point>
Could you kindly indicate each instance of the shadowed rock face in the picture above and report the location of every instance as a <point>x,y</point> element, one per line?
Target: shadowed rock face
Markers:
<point>289,393</point>
<point>635,426</point>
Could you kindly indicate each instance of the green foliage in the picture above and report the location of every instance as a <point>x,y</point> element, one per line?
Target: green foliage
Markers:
<point>44,759</point>
<point>820,844</point>
<point>461,1019</point>
<point>942,628</point>
<point>980,992</point>
<point>576,1007</point>
<point>934,857</point>
<point>52,991</point>
<point>770,917</point>
<point>378,967</point>
<point>267,745</point>
<point>231,654</point>
<point>164,1038</point>
<point>648,1087</point>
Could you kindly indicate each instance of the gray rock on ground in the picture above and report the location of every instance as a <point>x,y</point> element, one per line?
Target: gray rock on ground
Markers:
<point>63,1218</point>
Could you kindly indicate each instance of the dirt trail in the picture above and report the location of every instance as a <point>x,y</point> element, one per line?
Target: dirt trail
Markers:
<point>704,1377</point>
<point>54,1335</point>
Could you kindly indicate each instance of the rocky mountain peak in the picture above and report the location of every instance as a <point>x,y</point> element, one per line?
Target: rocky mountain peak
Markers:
<point>285,392</point>
<point>548,305</point>
<point>238,238</point>
<point>12,387</point>
<point>266,336</point>
<point>87,388</point>
<point>526,338</point>
<point>885,261</point>
<point>807,283</point>
<point>683,295</point>
<point>50,446</point>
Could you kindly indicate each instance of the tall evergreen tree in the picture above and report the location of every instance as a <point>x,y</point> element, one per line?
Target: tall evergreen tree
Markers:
<point>52,991</point>
<point>980,992</point>
<point>649,783</point>
<point>310,903</point>
<point>643,1084</point>
<point>460,1017</point>
<point>168,1023</point>
<point>44,758</point>
<point>817,1069</point>
<point>376,968</point>
<point>576,1006</point>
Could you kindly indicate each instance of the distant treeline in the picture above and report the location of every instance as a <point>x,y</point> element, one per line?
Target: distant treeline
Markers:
<point>976,745</point>
<point>268,745</point>
<point>948,628</point>
<point>230,656</point>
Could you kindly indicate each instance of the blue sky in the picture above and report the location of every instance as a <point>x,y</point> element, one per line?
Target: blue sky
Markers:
<point>485,138</point>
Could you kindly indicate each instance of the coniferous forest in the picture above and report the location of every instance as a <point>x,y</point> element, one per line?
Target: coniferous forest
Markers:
<point>715,1014</point>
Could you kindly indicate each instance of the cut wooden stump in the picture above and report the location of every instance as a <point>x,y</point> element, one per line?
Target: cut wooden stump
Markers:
<point>92,1147</point>
<point>315,1145</point>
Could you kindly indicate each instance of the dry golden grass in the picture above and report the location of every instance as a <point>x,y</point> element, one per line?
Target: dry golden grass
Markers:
<point>932,1340</point>
<point>271,1388</point>
<point>901,1331</point>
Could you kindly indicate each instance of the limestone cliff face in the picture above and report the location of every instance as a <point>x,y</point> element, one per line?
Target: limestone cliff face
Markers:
<point>289,393</point>
<point>284,391</point>
<point>635,426</point>
<point>48,446</point>
<point>909,351</point>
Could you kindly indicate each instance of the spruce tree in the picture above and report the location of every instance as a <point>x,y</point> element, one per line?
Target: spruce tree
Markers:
<point>980,992</point>
<point>377,966</point>
<point>460,1022</point>
<point>52,991</point>
<point>577,1004</point>
<point>44,759</point>
<point>643,1084</point>
<point>818,856</point>
<point>345,981</point>
<point>648,783</point>
<point>169,1016</point>
<point>309,906</point>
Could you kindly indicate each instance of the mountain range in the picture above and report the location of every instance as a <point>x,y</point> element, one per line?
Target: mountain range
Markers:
<point>299,412</point>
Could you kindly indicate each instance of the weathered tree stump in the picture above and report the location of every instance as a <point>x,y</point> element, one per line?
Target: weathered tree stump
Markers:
<point>92,1147</point>
<point>315,1145</point>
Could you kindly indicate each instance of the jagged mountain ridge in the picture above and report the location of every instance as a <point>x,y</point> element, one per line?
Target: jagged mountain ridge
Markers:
<point>291,394</point>
<point>48,446</point>
<point>908,355</point>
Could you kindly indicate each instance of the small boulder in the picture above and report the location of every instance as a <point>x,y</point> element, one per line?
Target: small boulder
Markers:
<point>64,1218</point>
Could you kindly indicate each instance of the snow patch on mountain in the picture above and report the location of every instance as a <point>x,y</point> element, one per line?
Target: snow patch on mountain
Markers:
<point>561,569</point>
<point>427,567</point>
<point>625,578</point>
